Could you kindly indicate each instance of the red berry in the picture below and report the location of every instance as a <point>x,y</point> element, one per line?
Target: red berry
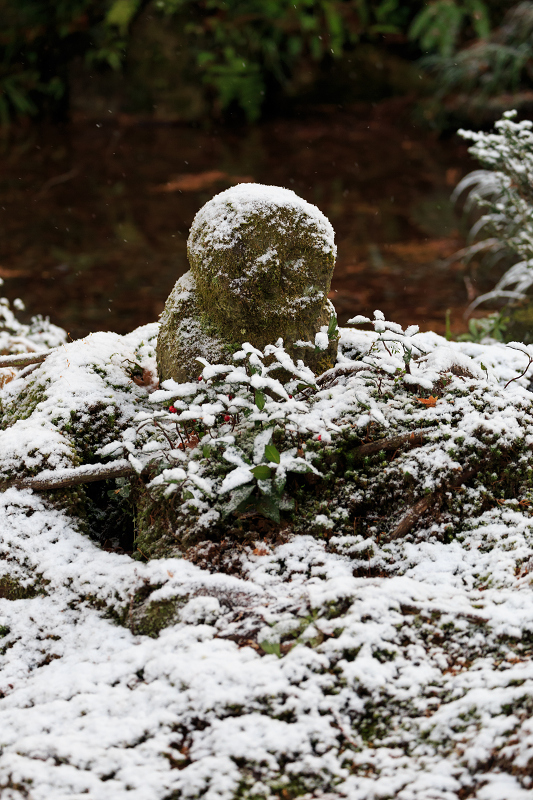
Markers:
<point>320,438</point>
<point>230,397</point>
<point>199,377</point>
<point>290,397</point>
<point>227,418</point>
<point>172,409</point>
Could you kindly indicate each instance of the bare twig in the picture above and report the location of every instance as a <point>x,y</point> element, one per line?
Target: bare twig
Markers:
<point>337,372</point>
<point>55,181</point>
<point>413,439</point>
<point>24,359</point>
<point>422,505</point>
<point>340,725</point>
<point>522,373</point>
<point>64,478</point>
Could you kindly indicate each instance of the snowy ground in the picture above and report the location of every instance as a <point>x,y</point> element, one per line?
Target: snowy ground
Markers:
<point>293,679</point>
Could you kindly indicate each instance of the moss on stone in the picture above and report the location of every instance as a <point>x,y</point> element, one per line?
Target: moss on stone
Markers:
<point>270,275</point>
<point>185,334</point>
<point>151,617</point>
<point>261,266</point>
<point>11,589</point>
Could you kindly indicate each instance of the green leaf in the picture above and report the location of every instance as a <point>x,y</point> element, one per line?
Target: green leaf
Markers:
<point>261,472</point>
<point>260,399</point>
<point>286,503</point>
<point>268,506</point>
<point>480,18</point>
<point>121,14</point>
<point>333,331</point>
<point>206,450</point>
<point>238,498</point>
<point>272,453</point>
<point>271,648</point>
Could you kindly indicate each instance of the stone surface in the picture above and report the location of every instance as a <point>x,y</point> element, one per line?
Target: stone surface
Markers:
<point>185,334</point>
<point>261,266</point>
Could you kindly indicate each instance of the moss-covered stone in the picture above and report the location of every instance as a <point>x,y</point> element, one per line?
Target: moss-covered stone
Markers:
<point>261,266</point>
<point>185,334</point>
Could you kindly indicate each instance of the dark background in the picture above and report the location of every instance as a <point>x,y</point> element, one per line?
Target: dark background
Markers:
<point>121,118</point>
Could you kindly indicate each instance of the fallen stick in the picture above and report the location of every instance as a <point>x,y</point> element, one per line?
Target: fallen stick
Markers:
<point>337,372</point>
<point>422,505</point>
<point>24,359</point>
<point>412,516</point>
<point>64,478</point>
<point>414,439</point>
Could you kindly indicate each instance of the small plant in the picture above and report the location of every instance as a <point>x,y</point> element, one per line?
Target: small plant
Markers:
<point>492,326</point>
<point>503,192</point>
<point>493,70</point>
<point>438,26</point>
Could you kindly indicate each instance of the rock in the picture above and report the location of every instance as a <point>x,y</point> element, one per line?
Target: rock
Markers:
<point>261,266</point>
<point>185,334</point>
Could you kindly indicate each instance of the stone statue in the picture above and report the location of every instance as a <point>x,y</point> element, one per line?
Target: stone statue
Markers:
<point>261,263</point>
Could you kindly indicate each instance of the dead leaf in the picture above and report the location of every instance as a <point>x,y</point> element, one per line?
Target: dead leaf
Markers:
<point>260,551</point>
<point>452,176</point>
<point>190,443</point>
<point>199,180</point>
<point>6,375</point>
<point>148,380</point>
<point>428,401</point>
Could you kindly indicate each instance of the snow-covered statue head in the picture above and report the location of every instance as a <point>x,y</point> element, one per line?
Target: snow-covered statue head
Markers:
<point>261,265</point>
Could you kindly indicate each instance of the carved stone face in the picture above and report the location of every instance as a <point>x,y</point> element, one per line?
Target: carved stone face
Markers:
<point>261,265</point>
<point>262,259</point>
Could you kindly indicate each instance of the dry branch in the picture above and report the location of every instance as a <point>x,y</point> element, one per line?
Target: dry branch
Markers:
<point>23,359</point>
<point>412,517</point>
<point>422,505</point>
<point>413,439</point>
<point>337,372</point>
<point>65,478</point>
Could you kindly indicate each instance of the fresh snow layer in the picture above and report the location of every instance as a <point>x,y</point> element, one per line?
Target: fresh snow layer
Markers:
<point>90,709</point>
<point>294,678</point>
<point>226,212</point>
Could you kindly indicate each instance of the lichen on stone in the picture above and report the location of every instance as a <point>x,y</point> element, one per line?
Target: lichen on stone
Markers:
<point>184,334</point>
<point>261,264</point>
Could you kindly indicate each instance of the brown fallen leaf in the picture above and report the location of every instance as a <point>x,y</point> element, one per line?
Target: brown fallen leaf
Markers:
<point>260,551</point>
<point>148,379</point>
<point>428,401</point>
<point>199,180</point>
<point>191,442</point>
<point>6,375</point>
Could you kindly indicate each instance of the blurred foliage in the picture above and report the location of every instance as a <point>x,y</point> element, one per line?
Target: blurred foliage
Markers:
<point>439,26</point>
<point>498,65</point>
<point>492,326</point>
<point>239,49</point>
<point>40,38</point>
<point>242,45</point>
